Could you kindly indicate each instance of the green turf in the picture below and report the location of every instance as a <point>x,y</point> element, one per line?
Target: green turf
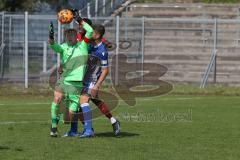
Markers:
<point>167,128</point>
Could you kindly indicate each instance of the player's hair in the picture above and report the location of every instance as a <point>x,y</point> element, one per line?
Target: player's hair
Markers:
<point>88,21</point>
<point>70,31</point>
<point>100,29</point>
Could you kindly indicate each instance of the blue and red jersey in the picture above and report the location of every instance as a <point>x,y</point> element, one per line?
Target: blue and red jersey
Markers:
<point>98,59</point>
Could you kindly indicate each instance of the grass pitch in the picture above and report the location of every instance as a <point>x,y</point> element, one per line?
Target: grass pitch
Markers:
<point>162,128</point>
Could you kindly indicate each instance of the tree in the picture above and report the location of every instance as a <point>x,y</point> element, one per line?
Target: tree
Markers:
<point>30,5</point>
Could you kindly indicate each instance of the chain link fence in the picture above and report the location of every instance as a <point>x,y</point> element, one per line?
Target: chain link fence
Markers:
<point>183,46</point>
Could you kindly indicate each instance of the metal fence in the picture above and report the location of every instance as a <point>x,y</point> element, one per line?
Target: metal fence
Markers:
<point>100,8</point>
<point>26,56</point>
<point>184,46</point>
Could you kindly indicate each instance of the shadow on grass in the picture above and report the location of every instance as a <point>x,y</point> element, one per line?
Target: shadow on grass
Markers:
<point>4,148</point>
<point>121,135</point>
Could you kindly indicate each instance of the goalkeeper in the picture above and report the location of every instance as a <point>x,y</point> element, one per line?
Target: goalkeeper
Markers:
<point>74,57</point>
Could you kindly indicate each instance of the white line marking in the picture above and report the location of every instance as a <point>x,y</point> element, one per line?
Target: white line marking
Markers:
<point>146,99</point>
<point>120,100</point>
<point>21,104</point>
<point>24,113</point>
<point>21,122</point>
<point>187,98</point>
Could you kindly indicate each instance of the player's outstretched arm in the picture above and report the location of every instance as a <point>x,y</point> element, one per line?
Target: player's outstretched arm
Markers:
<point>86,26</point>
<point>89,30</point>
<point>56,47</point>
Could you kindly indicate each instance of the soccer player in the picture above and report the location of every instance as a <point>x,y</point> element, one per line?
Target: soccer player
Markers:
<point>82,32</point>
<point>99,103</point>
<point>73,58</point>
<point>96,72</point>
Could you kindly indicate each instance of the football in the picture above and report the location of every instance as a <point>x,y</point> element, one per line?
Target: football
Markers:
<point>65,16</point>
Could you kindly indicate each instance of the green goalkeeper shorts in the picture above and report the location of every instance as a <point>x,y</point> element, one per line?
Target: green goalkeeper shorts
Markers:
<point>71,91</point>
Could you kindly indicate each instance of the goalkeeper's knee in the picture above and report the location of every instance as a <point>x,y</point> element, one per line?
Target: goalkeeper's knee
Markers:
<point>73,108</point>
<point>57,97</point>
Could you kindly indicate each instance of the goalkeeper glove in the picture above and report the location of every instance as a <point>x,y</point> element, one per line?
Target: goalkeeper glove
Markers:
<point>51,31</point>
<point>76,16</point>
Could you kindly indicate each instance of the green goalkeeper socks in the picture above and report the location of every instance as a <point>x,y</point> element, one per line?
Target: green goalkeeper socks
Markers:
<point>54,114</point>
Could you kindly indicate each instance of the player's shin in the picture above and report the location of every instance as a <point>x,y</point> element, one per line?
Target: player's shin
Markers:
<point>80,115</point>
<point>54,114</point>
<point>74,122</point>
<point>73,115</point>
<point>103,107</point>
<point>87,116</point>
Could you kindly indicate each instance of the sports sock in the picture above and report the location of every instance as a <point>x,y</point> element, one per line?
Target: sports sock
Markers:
<point>87,115</point>
<point>54,116</point>
<point>113,120</point>
<point>74,123</point>
<point>73,117</point>
<point>80,115</point>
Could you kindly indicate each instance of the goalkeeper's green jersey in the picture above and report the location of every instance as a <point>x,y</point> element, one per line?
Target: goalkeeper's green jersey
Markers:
<point>74,58</point>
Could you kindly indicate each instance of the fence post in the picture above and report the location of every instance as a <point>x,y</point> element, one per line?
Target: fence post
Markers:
<point>126,25</point>
<point>143,48</point>
<point>88,10</point>
<point>126,11</point>
<point>104,7</point>
<point>96,8</point>
<point>2,56</point>
<point>44,56</point>
<point>111,4</point>
<point>213,59</point>
<point>204,37</point>
<point>10,34</point>
<point>117,49</point>
<point>2,44</point>
<point>238,34</point>
<point>26,49</point>
<point>215,48</point>
<point>3,14</point>
<point>59,41</point>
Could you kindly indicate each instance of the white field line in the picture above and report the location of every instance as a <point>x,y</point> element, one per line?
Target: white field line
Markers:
<point>95,119</point>
<point>21,122</point>
<point>28,113</point>
<point>20,104</point>
<point>46,121</point>
<point>148,99</point>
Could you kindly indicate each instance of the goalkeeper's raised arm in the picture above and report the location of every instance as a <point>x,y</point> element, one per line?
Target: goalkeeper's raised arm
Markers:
<point>56,47</point>
<point>85,25</point>
<point>89,31</point>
